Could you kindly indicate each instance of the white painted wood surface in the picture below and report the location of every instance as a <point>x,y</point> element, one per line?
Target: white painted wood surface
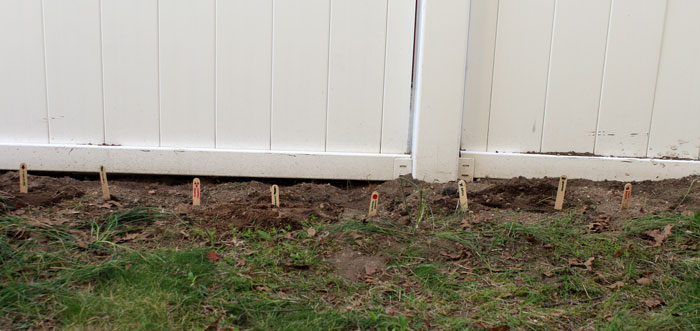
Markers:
<point>355,101</point>
<point>130,59</point>
<point>575,75</point>
<point>300,75</point>
<point>23,112</point>
<point>440,70</point>
<point>244,73</point>
<point>601,74</point>
<point>520,75</point>
<point>205,162</point>
<point>187,73</point>
<point>675,129</point>
<point>509,165</point>
<point>74,71</point>
<point>397,79</point>
<point>629,83</point>
<point>477,94</point>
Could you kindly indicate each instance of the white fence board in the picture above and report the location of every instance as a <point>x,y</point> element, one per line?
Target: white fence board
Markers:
<point>440,67</point>
<point>187,73</point>
<point>630,77</point>
<point>244,73</point>
<point>520,75</point>
<point>130,59</point>
<point>575,76</point>
<point>480,56</point>
<point>507,165</point>
<point>356,73</point>
<point>300,75</point>
<point>74,71</point>
<point>675,127</point>
<point>205,162</point>
<point>397,76</point>
<point>23,111</point>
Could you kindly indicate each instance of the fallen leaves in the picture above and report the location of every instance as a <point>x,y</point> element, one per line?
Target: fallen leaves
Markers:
<point>601,225</point>
<point>692,247</point>
<point>588,264</point>
<point>660,235</point>
<point>645,281</point>
<point>616,285</point>
<point>371,270</point>
<point>651,303</point>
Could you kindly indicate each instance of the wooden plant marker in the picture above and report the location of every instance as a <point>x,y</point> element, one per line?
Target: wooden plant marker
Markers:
<point>463,201</point>
<point>23,179</point>
<point>196,192</point>
<point>275,193</point>
<point>373,204</point>
<point>105,185</point>
<point>626,197</point>
<point>561,193</point>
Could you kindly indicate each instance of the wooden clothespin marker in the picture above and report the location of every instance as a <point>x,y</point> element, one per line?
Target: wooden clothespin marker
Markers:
<point>196,192</point>
<point>463,201</point>
<point>275,193</point>
<point>561,193</point>
<point>626,197</point>
<point>105,185</point>
<point>23,179</point>
<point>373,204</point>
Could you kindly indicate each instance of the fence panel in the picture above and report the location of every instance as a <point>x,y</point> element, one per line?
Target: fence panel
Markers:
<point>130,60</point>
<point>22,73</point>
<point>675,126</point>
<point>74,71</point>
<point>619,78</point>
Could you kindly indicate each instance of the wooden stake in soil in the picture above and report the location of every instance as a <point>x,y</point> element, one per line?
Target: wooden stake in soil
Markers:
<point>196,192</point>
<point>275,193</point>
<point>626,197</point>
<point>23,179</point>
<point>105,185</point>
<point>561,193</point>
<point>373,204</point>
<point>463,201</point>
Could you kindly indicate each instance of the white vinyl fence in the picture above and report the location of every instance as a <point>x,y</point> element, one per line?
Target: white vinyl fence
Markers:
<point>607,77</point>
<point>264,80</point>
<point>322,88</point>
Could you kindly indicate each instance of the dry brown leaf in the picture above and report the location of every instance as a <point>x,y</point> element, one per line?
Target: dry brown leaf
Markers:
<point>616,285</point>
<point>548,274</point>
<point>644,281</point>
<point>66,212</point>
<point>659,236</point>
<point>500,328</point>
<point>692,247</point>
<point>465,224</point>
<point>651,303</point>
<point>451,256</point>
<point>371,270</point>
<point>131,236</point>
<point>688,213</point>
<point>588,264</point>
<point>356,235</point>
<point>288,235</point>
<point>311,232</point>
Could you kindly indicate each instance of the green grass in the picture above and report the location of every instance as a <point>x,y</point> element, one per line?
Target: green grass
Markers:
<point>505,273</point>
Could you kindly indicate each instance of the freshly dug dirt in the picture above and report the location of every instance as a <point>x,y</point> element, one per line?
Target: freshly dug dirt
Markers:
<point>231,203</point>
